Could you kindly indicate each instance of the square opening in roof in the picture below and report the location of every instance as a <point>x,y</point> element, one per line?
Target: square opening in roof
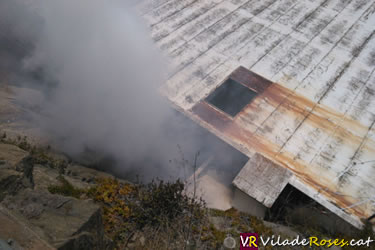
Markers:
<point>231,97</point>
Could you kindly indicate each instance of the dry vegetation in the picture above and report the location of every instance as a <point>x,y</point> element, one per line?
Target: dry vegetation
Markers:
<point>159,215</point>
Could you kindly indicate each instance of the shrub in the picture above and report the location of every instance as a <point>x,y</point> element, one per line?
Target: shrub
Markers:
<point>159,206</point>
<point>160,202</point>
<point>114,196</point>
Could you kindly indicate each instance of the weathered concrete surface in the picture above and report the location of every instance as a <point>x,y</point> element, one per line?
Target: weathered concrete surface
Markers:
<point>317,118</point>
<point>244,203</point>
<point>262,179</point>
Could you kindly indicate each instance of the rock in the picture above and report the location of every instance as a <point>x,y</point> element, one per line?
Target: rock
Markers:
<point>15,116</point>
<point>27,97</point>
<point>11,154</point>
<point>14,244</point>
<point>26,166</point>
<point>63,222</point>
<point>45,177</point>
<point>22,236</point>
<point>37,219</point>
<point>84,174</point>
<point>86,240</point>
<point>10,181</point>
<point>4,245</point>
<point>16,170</point>
<point>81,241</point>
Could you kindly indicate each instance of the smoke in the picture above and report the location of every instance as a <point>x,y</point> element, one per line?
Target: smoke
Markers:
<point>100,72</point>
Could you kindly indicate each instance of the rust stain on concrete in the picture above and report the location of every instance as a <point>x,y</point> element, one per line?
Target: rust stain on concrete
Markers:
<point>296,107</point>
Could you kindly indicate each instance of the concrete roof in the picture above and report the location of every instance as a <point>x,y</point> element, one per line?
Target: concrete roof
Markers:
<point>317,116</point>
<point>262,179</point>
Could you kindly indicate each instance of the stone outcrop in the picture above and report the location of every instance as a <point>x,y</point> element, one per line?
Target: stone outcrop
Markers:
<point>12,178</point>
<point>34,218</point>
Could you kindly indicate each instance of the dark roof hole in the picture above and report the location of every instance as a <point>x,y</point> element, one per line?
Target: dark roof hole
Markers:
<point>231,97</point>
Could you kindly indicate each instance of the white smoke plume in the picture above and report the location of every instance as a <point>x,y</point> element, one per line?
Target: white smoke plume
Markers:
<point>102,72</point>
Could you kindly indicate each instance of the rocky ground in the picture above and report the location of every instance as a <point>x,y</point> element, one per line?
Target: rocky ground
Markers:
<point>33,217</point>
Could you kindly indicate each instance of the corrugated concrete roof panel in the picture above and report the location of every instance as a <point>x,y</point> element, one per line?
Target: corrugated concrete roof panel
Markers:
<point>316,119</point>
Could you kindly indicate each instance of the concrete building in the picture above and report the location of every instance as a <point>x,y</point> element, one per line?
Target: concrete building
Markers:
<point>289,83</point>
